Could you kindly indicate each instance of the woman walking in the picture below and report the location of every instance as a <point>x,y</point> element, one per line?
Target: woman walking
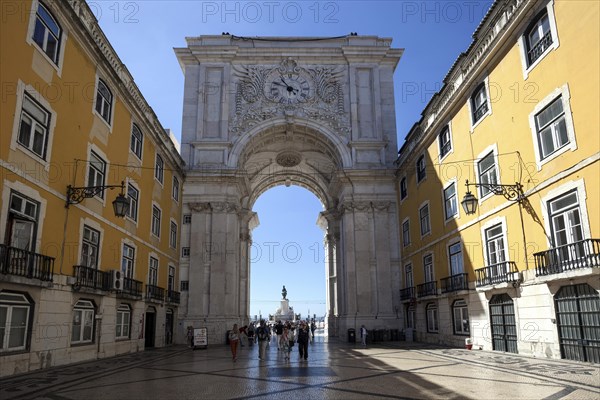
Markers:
<point>287,341</point>
<point>234,340</point>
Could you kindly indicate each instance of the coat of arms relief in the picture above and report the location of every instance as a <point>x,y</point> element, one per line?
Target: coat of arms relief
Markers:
<point>288,90</point>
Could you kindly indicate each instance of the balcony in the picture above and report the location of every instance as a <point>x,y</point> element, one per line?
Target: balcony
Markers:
<point>155,293</point>
<point>455,283</point>
<point>132,287</point>
<point>90,278</point>
<point>407,294</point>
<point>427,289</point>
<point>504,272</point>
<point>18,262</point>
<point>173,297</point>
<point>582,254</point>
<point>539,48</point>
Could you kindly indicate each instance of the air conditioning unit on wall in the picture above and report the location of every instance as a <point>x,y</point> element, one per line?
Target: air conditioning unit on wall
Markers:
<point>117,280</point>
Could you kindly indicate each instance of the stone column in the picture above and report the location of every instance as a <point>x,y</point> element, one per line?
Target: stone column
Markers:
<point>248,221</point>
<point>330,222</point>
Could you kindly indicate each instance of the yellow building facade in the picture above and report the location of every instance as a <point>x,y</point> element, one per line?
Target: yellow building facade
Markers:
<point>78,282</point>
<point>517,117</point>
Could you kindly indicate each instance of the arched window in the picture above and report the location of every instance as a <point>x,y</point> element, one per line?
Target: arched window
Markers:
<point>47,33</point>
<point>137,141</point>
<point>82,330</point>
<point>123,322</point>
<point>16,311</point>
<point>104,101</point>
<point>460,313</point>
<point>432,318</point>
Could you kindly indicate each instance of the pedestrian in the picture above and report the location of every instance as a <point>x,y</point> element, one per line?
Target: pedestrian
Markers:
<point>234,340</point>
<point>243,335</point>
<point>262,333</point>
<point>190,336</point>
<point>363,335</point>
<point>287,342</point>
<point>279,332</point>
<point>302,337</point>
<point>313,328</point>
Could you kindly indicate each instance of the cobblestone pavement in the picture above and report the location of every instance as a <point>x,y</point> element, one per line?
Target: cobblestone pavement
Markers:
<point>334,370</point>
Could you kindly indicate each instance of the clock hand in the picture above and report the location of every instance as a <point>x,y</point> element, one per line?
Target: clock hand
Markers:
<point>280,84</point>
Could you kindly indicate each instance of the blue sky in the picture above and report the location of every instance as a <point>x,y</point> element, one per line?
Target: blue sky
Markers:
<point>287,246</point>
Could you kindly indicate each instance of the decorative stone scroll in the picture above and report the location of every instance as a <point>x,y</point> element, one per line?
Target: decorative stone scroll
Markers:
<point>288,90</point>
<point>218,207</point>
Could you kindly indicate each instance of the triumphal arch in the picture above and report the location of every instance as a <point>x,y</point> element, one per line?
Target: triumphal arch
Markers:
<point>314,112</point>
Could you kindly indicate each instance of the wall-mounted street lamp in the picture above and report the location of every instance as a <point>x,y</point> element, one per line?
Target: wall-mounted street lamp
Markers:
<point>76,195</point>
<point>510,192</point>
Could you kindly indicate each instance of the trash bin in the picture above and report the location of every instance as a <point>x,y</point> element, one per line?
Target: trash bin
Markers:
<point>351,335</point>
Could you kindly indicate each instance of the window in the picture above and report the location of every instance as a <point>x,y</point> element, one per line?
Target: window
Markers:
<point>432,318</point>
<point>411,316</point>
<point>96,172</point>
<point>450,201</point>
<point>185,286</point>
<point>137,141</point>
<point>175,191</point>
<point>15,314</point>
<point>421,173</point>
<point>90,247</point>
<point>134,197</point>
<point>156,221</point>
<point>428,268</point>
<point>173,235</point>
<point>566,223</point>
<point>22,222</point>
<point>460,313</point>
<point>153,272</point>
<point>34,127</point>
<point>82,330</point>
<point>128,261</point>
<point>403,188</point>
<point>456,260</point>
<point>444,142</point>
<point>494,244</point>
<point>171,281</point>
<point>104,99</point>
<point>487,173</point>
<point>424,218</point>
<point>479,104</point>
<point>408,273</point>
<point>159,169</point>
<point>551,128</point>
<point>47,32</point>
<point>538,37</point>
<point>123,322</point>
<point>405,233</point>
<point>187,218</point>
<point>185,252</point>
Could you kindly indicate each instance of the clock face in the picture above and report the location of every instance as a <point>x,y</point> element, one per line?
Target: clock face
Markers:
<point>288,88</point>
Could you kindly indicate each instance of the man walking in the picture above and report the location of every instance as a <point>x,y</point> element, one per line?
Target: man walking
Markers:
<point>262,334</point>
<point>303,338</point>
<point>363,335</point>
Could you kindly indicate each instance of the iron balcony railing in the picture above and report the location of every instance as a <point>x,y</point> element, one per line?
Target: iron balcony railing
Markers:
<point>480,111</point>
<point>427,289</point>
<point>407,294</point>
<point>132,287</point>
<point>91,278</point>
<point>173,297</point>
<point>497,273</point>
<point>155,293</point>
<point>582,254</point>
<point>19,262</point>
<point>454,283</point>
<point>536,51</point>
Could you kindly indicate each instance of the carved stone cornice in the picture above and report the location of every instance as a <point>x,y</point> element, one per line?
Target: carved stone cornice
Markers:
<point>199,207</point>
<point>363,206</point>
<point>224,207</point>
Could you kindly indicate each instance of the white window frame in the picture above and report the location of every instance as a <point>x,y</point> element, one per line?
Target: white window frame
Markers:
<point>428,268</point>
<point>136,144</point>
<point>456,203</point>
<point>185,252</point>
<point>99,174</point>
<point>403,188</point>
<point>175,188</point>
<point>86,311</point>
<point>446,128</point>
<point>462,258</point>
<point>134,204</point>
<point>484,228</point>
<point>159,169</point>
<point>565,95</point>
<point>58,63</point>
<point>155,224</point>
<point>486,83</point>
<point>421,167</point>
<point>109,122</point>
<point>527,68</point>
<point>425,223</point>
<point>187,219</point>
<point>406,238</point>
<point>88,243</point>
<point>128,259</point>
<point>173,233</point>
<point>409,276</point>
<point>171,279</point>
<point>35,125</point>
<point>433,320</point>
<point>12,301</point>
<point>462,307</point>
<point>22,91</point>
<point>153,267</point>
<point>490,149</point>
<point>123,322</point>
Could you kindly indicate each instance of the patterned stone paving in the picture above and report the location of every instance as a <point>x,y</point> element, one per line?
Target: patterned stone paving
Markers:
<point>395,370</point>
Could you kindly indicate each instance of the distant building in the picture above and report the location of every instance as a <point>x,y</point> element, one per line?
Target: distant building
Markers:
<point>76,282</point>
<point>518,108</point>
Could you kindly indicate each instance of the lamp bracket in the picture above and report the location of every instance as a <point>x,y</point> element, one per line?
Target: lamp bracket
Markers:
<point>510,192</point>
<point>76,195</point>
